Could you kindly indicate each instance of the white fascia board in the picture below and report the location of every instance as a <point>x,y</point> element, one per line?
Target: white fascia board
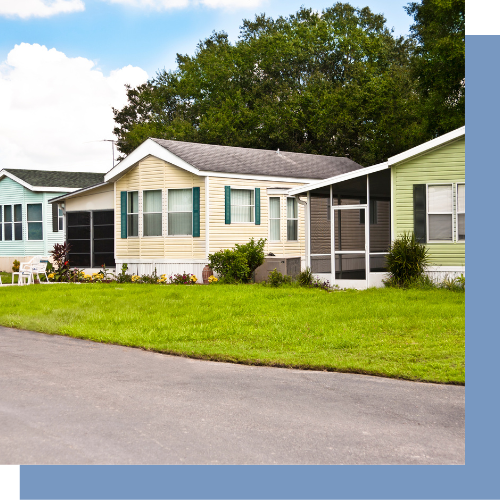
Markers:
<point>426,146</point>
<point>256,177</point>
<point>148,148</point>
<point>77,192</point>
<point>50,189</point>
<point>339,178</point>
<point>4,173</point>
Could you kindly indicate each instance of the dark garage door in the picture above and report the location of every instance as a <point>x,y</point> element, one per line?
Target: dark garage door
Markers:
<point>91,236</point>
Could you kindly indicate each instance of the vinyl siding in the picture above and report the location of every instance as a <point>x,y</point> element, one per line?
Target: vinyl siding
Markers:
<point>149,174</point>
<point>12,193</point>
<point>445,164</point>
<point>227,235</point>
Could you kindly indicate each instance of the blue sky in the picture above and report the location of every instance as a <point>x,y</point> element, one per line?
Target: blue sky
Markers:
<point>64,64</point>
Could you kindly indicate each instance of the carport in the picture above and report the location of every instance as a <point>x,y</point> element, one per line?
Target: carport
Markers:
<point>348,226</point>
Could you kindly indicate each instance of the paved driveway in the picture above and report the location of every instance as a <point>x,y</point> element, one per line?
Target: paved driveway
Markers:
<point>69,401</point>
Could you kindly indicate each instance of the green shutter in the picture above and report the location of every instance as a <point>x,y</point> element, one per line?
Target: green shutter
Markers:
<point>124,213</point>
<point>257,206</point>
<point>227,203</point>
<point>420,212</point>
<point>196,212</point>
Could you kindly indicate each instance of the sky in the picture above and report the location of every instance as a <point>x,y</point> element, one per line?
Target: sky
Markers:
<point>64,65</point>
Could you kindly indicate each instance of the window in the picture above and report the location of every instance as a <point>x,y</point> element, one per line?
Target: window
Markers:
<point>292,219</point>
<point>35,221</point>
<point>133,213</point>
<point>151,212</point>
<point>460,212</point>
<point>18,222</point>
<point>180,212</point>
<point>7,222</point>
<point>445,212</point>
<point>60,218</point>
<point>242,205</point>
<point>274,219</point>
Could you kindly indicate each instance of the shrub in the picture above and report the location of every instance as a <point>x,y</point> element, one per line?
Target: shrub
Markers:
<point>406,261</point>
<point>183,279</point>
<point>61,264</point>
<point>15,266</point>
<point>305,278</point>
<point>455,285</point>
<point>276,279</point>
<point>238,264</point>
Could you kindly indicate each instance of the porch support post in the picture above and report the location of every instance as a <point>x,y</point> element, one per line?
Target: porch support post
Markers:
<point>308,230</point>
<point>332,236</point>
<point>367,230</point>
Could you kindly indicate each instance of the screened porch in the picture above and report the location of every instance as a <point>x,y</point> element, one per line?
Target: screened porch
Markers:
<point>349,228</point>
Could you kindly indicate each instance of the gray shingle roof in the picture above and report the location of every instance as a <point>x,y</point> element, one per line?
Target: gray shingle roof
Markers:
<point>228,159</point>
<point>48,178</point>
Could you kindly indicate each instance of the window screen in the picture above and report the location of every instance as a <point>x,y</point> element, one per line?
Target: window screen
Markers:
<point>35,224</point>
<point>461,212</point>
<point>133,213</point>
<point>242,205</point>
<point>274,219</point>
<point>151,209</point>
<point>180,212</point>
<point>292,221</point>
<point>440,212</point>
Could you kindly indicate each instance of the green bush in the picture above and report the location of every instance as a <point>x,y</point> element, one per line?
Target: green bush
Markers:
<point>276,279</point>
<point>238,264</point>
<point>15,266</point>
<point>406,261</point>
<point>305,278</point>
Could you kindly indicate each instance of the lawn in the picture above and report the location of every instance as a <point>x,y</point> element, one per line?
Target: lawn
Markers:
<point>407,334</point>
<point>7,277</point>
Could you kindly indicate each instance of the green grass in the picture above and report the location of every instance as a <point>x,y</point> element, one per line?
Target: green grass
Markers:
<point>7,278</point>
<point>408,334</point>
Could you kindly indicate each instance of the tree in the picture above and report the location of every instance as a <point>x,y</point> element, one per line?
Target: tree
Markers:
<point>439,62</point>
<point>336,83</point>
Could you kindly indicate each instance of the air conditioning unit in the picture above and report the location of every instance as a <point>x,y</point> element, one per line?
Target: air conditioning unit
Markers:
<point>285,265</point>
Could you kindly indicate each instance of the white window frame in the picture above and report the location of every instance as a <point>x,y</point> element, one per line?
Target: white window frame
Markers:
<point>178,212</point>
<point>142,212</point>
<point>28,222</point>
<point>60,218</point>
<point>134,213</point>
<point>457,212</point>
<point>453,212</point>
<point>280,198</point>
<point>243,188</point>
<point>292,218</point>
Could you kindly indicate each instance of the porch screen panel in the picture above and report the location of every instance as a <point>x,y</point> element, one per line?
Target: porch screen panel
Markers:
<point>79,239</point>
<point>321,228</point>
<point>350,266</point>
<point>103,226</point>
<point>380,232</point>
<point>349,230</point>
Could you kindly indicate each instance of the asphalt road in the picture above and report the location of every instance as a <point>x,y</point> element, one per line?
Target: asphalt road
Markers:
<point>69,401</point>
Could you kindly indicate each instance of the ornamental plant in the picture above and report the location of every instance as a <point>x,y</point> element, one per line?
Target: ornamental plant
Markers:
<point>406,261</point>
<point>183,279</point>
<point>15,266</point>
<point>238,264</point>
<point>61,264</point>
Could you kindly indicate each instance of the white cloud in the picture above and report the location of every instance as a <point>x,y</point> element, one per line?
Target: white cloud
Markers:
<point>52,106</point>
<point>179,4</point>
<point>39,8</point>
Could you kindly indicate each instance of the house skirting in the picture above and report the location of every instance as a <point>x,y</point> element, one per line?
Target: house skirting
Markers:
<point>6,262</point>
<point>439,273</point>
<point>163,266</point>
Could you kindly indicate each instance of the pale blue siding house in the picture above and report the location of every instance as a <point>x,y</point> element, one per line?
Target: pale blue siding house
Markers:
<point>29,224</point>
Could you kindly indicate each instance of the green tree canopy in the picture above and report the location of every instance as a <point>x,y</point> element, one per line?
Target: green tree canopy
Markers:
<point>439,61</point>
<point>336,83</point>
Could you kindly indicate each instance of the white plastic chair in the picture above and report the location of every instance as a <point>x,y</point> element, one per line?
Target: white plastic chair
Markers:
<point>24,273</point>
<point>38,268</point>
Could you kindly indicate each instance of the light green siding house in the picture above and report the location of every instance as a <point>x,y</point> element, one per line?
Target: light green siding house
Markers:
<point>428,198</point>
<point>29,224</point>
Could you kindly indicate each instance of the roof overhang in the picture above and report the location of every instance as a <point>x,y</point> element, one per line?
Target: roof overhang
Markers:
<point>338,178</point>
<point>77,193</point>
<point>36,189</point>
<point>426,146</point>
<point>148,148</point>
